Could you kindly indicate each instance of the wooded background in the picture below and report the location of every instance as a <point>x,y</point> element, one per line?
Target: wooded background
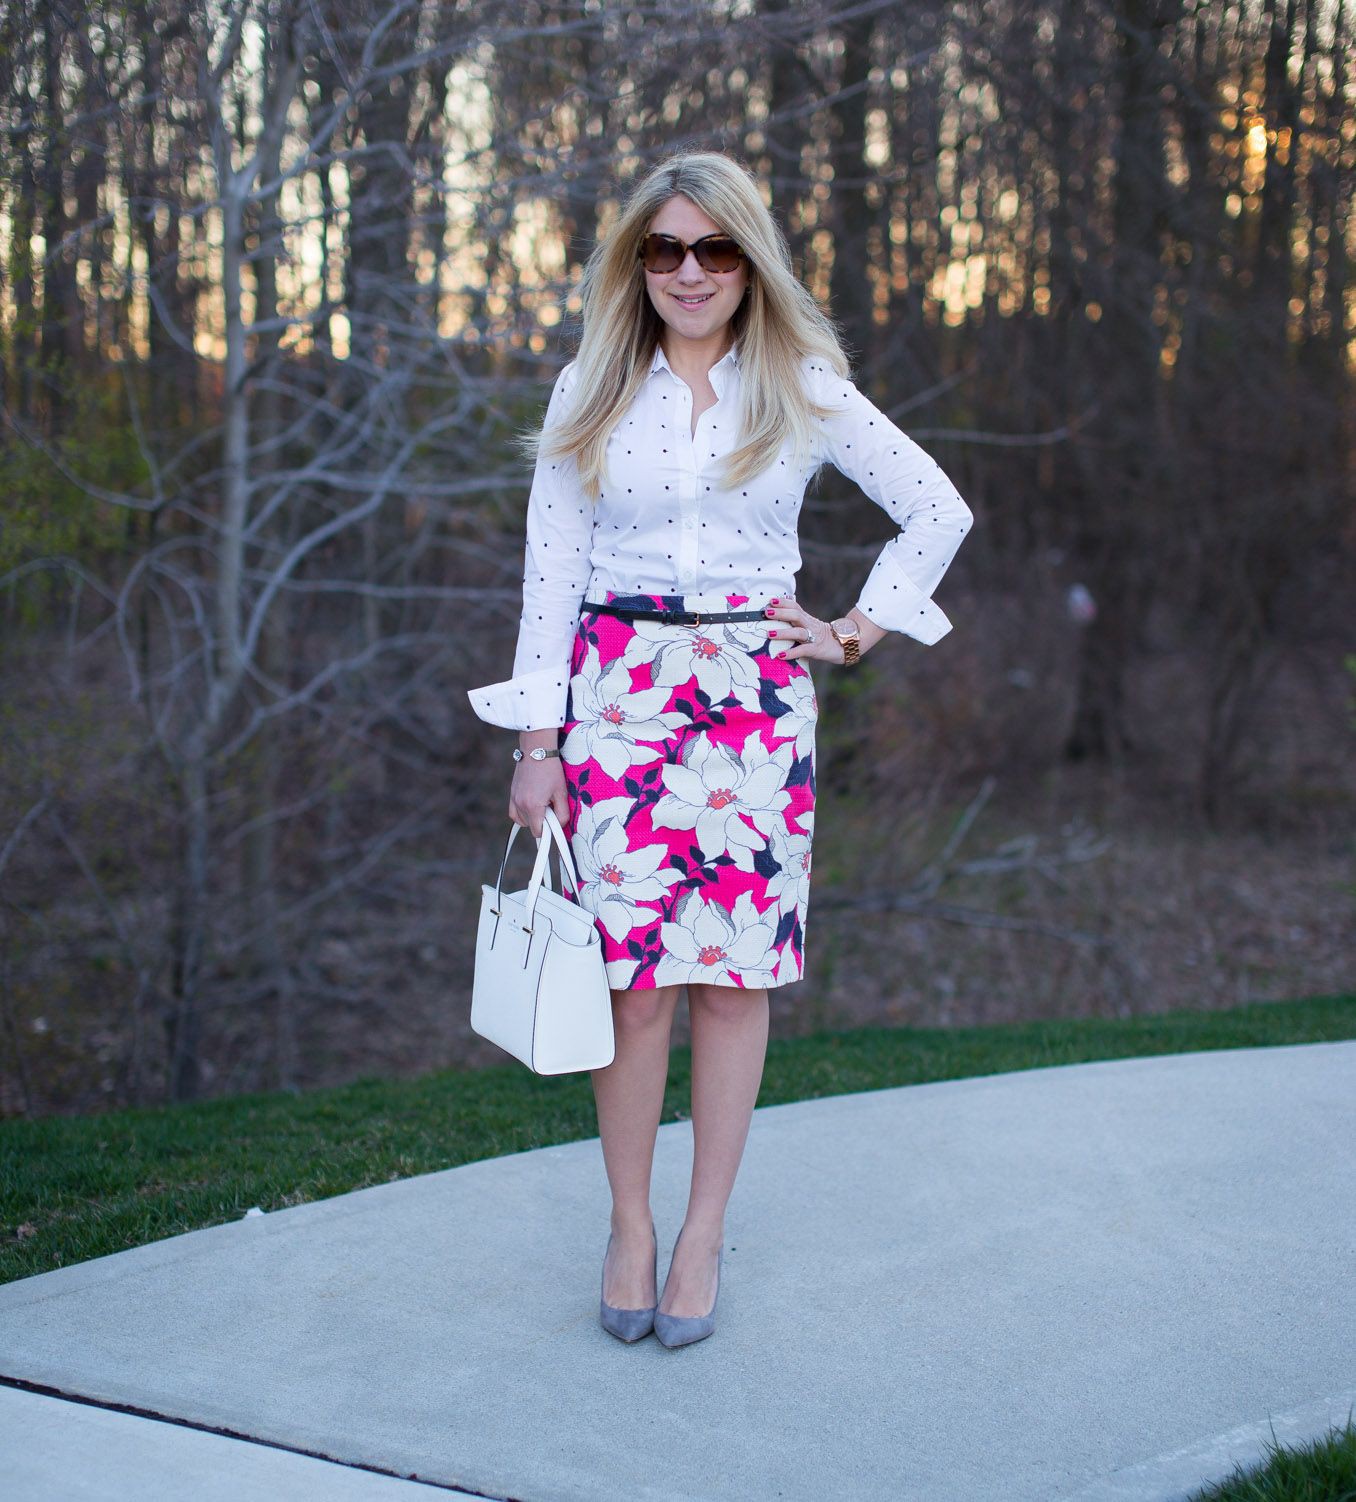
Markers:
<point>281,279</point>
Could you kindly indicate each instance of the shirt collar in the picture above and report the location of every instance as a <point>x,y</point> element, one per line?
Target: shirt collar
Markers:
<point>660,360</point>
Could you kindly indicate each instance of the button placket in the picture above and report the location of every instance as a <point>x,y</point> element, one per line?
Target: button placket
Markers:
<point>687,492</point>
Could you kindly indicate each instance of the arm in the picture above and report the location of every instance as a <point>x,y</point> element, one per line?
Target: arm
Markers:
<point>863,444</point>
<point>555,575</point>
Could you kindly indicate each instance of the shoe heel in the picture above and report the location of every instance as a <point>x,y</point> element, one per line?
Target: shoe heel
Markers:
<point>628,1324</point>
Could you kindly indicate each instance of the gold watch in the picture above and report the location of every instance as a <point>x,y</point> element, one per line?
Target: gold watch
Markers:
<point>848,633</point>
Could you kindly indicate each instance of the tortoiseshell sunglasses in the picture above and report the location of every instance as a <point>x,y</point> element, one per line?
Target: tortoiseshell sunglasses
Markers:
<point>667,252</point>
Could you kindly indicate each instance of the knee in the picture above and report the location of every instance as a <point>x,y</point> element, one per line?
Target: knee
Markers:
<point>640,1009</point>
<point>734,1002</point>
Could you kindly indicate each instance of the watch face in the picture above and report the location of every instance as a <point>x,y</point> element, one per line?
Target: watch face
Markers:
<point>846,626</point>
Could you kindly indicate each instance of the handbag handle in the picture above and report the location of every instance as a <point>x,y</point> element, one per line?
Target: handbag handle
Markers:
<point>543,863</point>
<point>499,882</point>
<point>567,866</point>
<point>541,869</point>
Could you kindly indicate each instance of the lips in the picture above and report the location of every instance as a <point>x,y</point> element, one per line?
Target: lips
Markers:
<point>693,303</point>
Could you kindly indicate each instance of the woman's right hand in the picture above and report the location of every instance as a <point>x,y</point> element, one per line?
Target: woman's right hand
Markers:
<point>535,785</point>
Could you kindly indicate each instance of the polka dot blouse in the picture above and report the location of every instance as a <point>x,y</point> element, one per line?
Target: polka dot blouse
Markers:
<point>663,524</point>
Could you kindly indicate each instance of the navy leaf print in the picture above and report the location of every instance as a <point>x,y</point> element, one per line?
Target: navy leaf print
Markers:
<point>799,773</point>
<point>768,701</point>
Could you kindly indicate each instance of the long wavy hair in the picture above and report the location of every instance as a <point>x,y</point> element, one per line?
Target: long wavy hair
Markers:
<point>776,325</point>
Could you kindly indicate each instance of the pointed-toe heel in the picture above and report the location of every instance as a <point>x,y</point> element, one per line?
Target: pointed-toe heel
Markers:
<point>683,1329</point>
<point>628,1324</point>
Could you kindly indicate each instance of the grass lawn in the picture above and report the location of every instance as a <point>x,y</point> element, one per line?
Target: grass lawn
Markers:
<point>1324,1471</point>
<point>72,1188</point>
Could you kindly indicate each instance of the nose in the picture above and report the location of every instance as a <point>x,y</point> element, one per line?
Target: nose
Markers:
<point>691,266</point>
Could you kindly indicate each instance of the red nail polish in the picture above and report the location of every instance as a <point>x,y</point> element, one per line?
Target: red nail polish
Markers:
<point>774,599</point>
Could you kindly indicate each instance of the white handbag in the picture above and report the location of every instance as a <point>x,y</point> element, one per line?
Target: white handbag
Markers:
<point>540,988</point>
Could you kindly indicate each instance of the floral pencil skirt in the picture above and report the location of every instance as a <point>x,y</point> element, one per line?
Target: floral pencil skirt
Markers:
<point>689,761</point>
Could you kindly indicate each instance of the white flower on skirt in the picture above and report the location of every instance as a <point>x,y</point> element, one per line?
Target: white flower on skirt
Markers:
<point>708,793</point>
<point>706,941</point>
<point>790,848</point>
<point>789,967</point>
<point>717,656</point>
<point>803,713</point>
<point>613,717</point>
<point>614,880</point>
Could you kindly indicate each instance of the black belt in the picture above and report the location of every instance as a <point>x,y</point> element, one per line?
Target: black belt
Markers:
<point>673,617</point>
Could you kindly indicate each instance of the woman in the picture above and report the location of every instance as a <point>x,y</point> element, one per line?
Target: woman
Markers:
<point>660,685</point>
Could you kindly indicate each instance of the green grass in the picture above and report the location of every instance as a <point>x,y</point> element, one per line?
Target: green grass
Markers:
<point>1324,1471</point>
<point>74,1188</point>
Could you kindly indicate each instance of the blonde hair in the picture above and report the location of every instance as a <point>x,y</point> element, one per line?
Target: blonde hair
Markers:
<point>777,325</point>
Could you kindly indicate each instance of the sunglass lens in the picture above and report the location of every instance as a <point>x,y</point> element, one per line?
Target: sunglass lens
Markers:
<point>661,253</point>
<point>719,254</point>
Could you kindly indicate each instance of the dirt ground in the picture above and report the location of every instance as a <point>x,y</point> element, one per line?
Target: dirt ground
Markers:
<point>1155,918</point>
<point>1066,899</point>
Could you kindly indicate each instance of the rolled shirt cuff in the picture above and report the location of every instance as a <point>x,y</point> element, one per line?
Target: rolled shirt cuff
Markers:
<point>531,701</point>
<point>892,600</point>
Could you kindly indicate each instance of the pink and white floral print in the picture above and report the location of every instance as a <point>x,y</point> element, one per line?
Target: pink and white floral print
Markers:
<point>718,788</point>
<point>613,719</point>
<point>613,879</point>
<point>705,942</point>
<point>690,769</point>
<point>717,656</point>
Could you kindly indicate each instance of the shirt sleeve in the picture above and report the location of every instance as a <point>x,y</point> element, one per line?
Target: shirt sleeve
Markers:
<point>556,568</point>
<point>861,442</point>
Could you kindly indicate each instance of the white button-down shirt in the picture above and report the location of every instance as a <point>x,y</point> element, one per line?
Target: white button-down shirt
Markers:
<point>664,525</point>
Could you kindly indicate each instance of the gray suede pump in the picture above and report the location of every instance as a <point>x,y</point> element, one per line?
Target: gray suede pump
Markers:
<point>628,1324</point>
<point>683,1329</point>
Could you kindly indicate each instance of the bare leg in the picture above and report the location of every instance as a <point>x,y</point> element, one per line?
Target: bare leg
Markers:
<point>630,1098</point>
<point>729,1046</point>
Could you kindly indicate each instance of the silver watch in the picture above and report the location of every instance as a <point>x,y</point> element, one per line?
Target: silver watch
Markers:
<point>537,753</point>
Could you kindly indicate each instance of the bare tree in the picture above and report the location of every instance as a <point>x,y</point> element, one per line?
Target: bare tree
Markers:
<point>280,278</point>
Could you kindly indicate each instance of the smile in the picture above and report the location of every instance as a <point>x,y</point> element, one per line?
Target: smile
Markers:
<point>694,302</point>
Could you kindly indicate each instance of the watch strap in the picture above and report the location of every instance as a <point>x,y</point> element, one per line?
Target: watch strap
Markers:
<point>851,645</point>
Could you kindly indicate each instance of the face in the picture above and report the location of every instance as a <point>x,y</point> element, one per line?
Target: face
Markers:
<point>722,290</point>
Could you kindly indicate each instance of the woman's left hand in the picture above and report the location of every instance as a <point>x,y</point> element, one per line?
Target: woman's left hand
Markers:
<point>808,635</point>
